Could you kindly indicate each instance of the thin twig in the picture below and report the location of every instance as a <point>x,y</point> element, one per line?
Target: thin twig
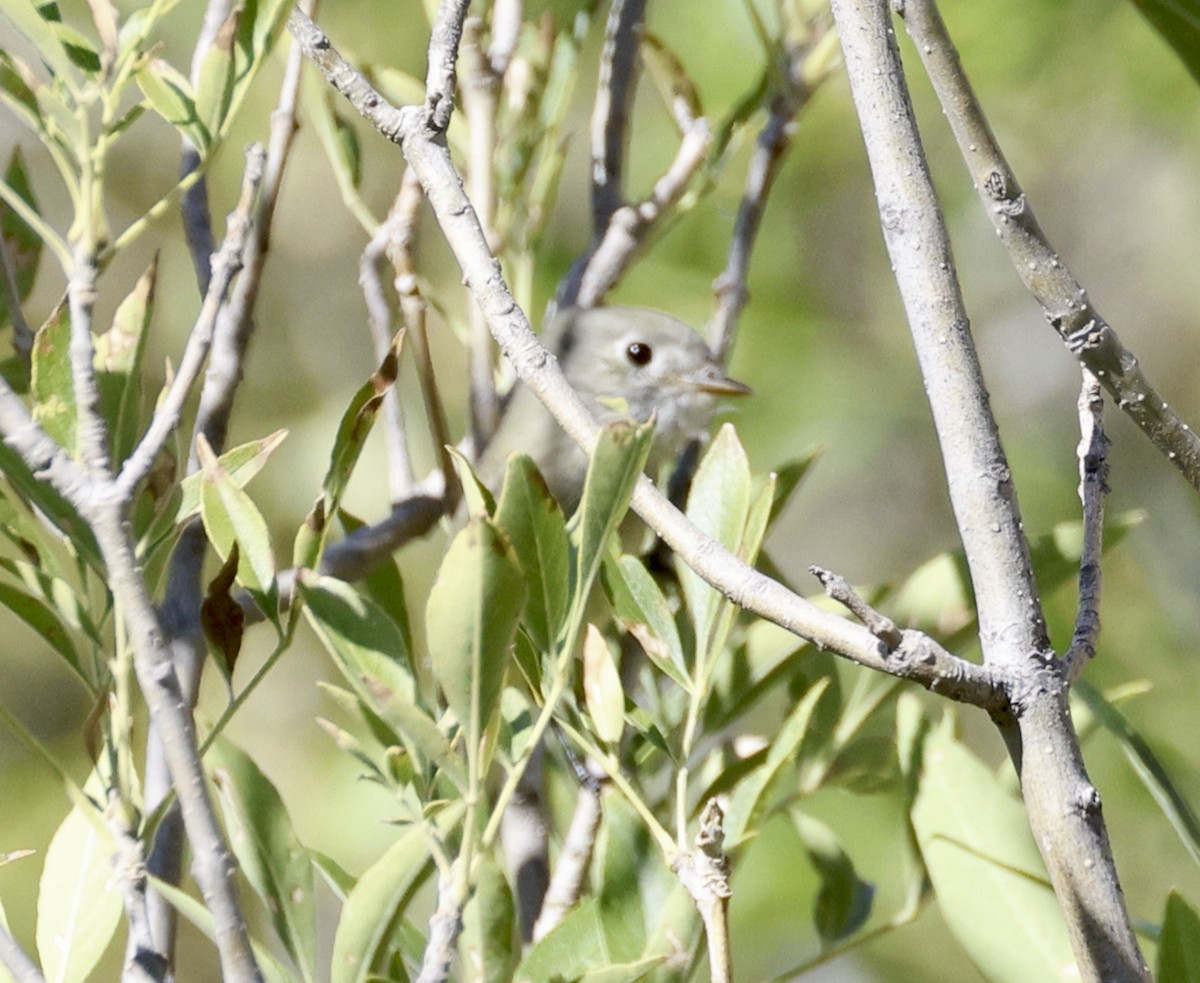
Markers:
<point>1063,806</point>
<point>1065,302</point>
<point>879,625</point>
<point>226,263</point>
<point>402,225</point>
<point>445,926</point>
<point>574,859</point>
<point>17,961</point>
<point>193,205</point>
<point>143,958</point>
<point>704,872</point>
<point>919,658</point>
<point>630,225</point>
<point>611,110</point>
<point>1093,491</point>
<point>91,436</point>
<point>481,94</point>
<point>379,320</point>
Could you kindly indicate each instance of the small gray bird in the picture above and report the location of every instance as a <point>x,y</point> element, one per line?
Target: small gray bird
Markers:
<point>623,362</point>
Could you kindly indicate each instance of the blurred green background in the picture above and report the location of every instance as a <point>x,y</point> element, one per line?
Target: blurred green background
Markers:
<point>1102,125</point>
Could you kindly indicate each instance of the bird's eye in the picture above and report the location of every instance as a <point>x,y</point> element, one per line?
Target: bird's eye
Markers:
<point>639,353</point>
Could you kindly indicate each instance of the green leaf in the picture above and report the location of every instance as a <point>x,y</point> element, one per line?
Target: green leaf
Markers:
<point>748,798</point>
<point>170,95</point>
<point>623,850</point>
<point>1178,21</point>
<point>718,504</point>
<point>39,31</point>
<point>642,608</point>
<point>239,464</point>
<point>489,926</point>
<point>533,522</point>
<point>214,87</point>
<point>229,515</point>
<point>23,245</point>
<point>987,874</point>
<point>613,471</point>
<point>384,584</point>
<point>1147,766</point>
<point>46,623</point>
<point>51,383</point>
<point>574,946</point>
<point>118,361</point>
<point>375,906</point>
<point>79,906</point>
<point>788,479</point>
<point>1179,943</point>
<point>843,902</point>
<point>268,850</point>
<point>18,95</point>
<point>470,621</point>
<point>371,652</point>
<point>602,688</point>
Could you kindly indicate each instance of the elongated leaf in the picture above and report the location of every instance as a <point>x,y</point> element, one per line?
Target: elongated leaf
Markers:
<point>170,95</point>
<point>230,515</point>
<point>1178,21</point>
<point>674,85</point>
<point>489,926</point>
<point>602,687</point>
<point>45,621</point>
<point>987,874</point>
<point>718,503</point>
<point>470,621</point>
<point>1179,944</point>
<point>214,87</point>
<point>51,383</point>
<point>376,905</point>
<point>748,798</point>
<point>38,30</point>
<point>79,906</point>
<point>76,534</point>
<point>614,468</point>
<point>239,464</point>
<point>267,849</point>
<point>641,606</point>
<point>1147,766</point>
<point>531,519</point>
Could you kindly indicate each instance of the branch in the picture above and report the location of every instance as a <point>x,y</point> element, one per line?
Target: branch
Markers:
<point>1093,491</point>
<point>17,961</point>
<point>704,872</point>
<point>1063,805</point>
<point>918,658</point>
<point>574,858</point>
<point>630,225</point>
<point>610,113</point>
<point>226,263</point>
<point>1065,302</point>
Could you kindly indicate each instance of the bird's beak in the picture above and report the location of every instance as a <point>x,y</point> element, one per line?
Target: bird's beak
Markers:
<point>711,379</point>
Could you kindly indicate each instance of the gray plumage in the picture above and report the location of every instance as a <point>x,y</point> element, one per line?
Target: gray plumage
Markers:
<point>623,361</point>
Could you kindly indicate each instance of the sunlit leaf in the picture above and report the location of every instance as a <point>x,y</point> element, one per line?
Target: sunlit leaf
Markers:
<point>987,874</point>
<point>1179,943</point>
<point>530,517</point>
<point>470,621</point>
<point>240,464</point>
<point>118,360</point>
<point>79,906</point>
<point>51,383</point>
<point>170,95</point>
<point>489,926</point>
<point>268,851</point>
<point>214,87</point>
<point>642,608</point>
<point>602,688</point>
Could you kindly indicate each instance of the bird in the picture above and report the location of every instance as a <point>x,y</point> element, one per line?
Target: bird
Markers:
<point>624,362</point>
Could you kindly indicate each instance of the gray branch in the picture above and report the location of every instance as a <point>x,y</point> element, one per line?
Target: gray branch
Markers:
<point>1063,806</point>
<point>1065,302</point>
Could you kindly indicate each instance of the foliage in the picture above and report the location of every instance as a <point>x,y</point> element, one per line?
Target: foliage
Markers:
<point>541,634</point>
